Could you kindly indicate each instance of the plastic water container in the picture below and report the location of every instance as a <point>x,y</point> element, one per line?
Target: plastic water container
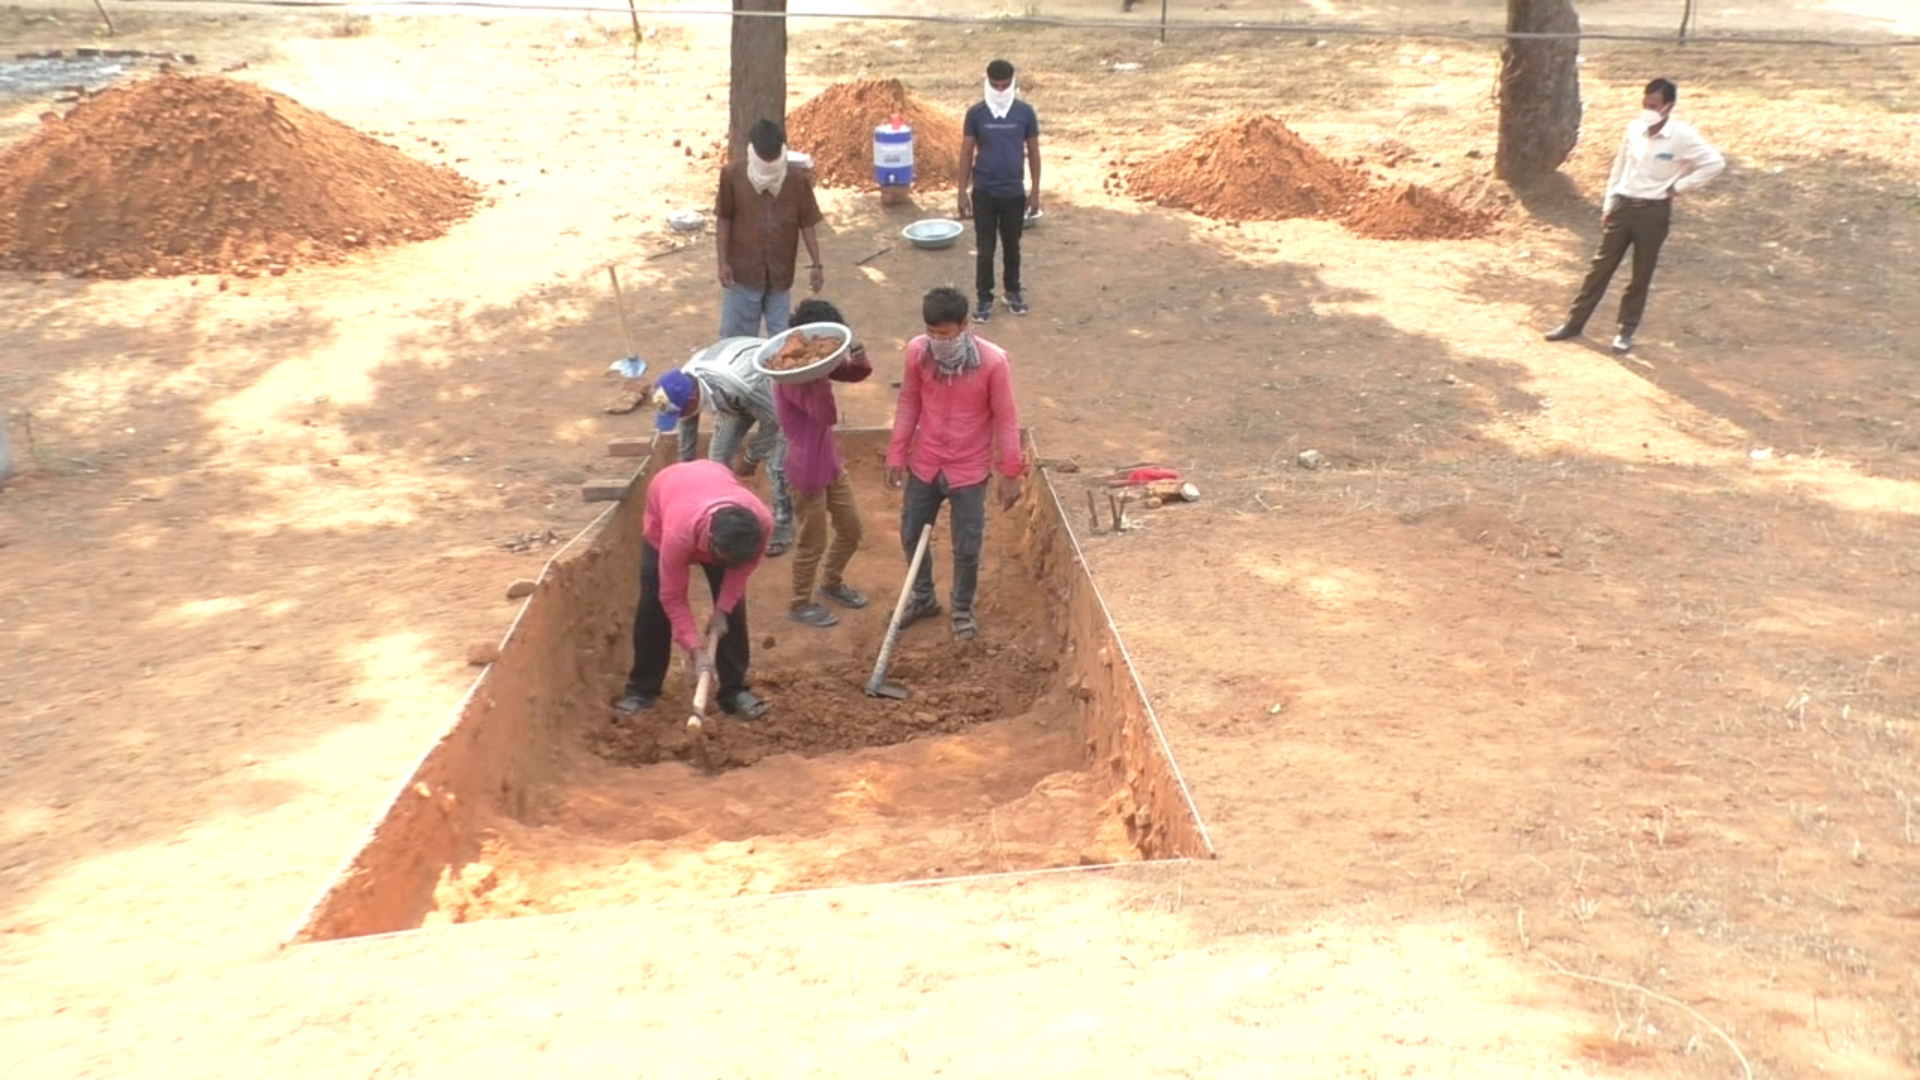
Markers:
<point>893,154</point>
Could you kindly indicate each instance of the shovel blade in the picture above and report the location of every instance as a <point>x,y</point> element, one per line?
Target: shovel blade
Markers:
<point>893,691</point>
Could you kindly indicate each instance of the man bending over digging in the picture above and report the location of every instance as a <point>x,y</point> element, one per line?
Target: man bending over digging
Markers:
<point>697,512</point>
<point>956,404</point>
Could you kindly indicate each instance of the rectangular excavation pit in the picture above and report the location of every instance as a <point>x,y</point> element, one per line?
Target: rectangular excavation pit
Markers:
<point>1032,748</point>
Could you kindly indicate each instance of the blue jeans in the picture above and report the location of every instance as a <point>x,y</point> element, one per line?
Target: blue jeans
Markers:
<point>742,308</point>
<point>969,526</point>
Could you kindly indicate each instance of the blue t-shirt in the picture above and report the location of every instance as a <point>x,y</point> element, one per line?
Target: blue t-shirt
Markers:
<point>1000,148</point>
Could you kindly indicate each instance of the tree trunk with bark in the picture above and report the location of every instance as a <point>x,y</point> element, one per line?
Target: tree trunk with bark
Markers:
<point>757,89</point>
<point>1539,91</point>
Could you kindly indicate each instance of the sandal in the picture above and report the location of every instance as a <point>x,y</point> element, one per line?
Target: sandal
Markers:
<point>743,704</point>
<point>633,702</point>
<point>845,595</point>
<point>917,610</point>
<point>965,627</point>
<point>813,615</point>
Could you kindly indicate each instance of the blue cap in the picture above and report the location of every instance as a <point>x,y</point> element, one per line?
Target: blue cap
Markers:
<point>680,391</point>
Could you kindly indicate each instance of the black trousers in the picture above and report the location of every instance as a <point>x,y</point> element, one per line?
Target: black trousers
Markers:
<point>653,635</point>
<point>997,219</point>
<point>1640,224</point>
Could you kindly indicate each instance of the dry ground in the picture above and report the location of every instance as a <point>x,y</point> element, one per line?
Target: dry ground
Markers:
<point>1555,730</point>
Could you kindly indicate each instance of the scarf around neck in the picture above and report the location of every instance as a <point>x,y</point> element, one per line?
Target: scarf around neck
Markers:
<point>1000,102</point>
<point>953,357</point>
<point>767,176</point>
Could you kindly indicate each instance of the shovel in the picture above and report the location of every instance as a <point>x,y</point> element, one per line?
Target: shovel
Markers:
<point>877,685</point>
<point>702,695</point>
<point>630,366</point>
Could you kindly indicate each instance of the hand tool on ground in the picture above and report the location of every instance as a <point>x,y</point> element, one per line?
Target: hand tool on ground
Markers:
<point>877,684</point>
<point>702,695</point>
<point>631,365</point>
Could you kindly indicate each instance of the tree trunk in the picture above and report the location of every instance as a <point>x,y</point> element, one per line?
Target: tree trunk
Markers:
<point>757,89</point>
<point>1539,91</point>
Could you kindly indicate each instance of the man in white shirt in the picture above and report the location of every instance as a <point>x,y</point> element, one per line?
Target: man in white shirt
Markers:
<point>1659,159</point>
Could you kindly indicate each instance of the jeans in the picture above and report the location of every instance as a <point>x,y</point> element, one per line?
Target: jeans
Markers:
<point>653,635</point>
<point>999,218</point>
<point>1641,224</point>
<point>969,528</point>
<point>727,436</point>
<point>813,513</point>
<point>742,308</point>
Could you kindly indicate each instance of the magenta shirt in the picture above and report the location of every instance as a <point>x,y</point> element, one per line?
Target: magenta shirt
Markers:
<point>807,415</point>
<point>681,500</point>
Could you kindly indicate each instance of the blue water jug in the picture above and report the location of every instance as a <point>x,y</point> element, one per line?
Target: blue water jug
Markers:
<point>893,154</point>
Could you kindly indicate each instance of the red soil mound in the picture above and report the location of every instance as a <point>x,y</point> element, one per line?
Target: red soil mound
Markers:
<point>836,128</point>
<point>178,175</point>
<point>1252,168</point>
<point>1411,212</point>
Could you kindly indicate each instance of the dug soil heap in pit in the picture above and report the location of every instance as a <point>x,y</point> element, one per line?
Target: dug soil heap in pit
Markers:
<point>836,128</point>
<point>178,175</point>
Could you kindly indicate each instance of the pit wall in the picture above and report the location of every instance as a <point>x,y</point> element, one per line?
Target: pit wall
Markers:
<point>503,749</point>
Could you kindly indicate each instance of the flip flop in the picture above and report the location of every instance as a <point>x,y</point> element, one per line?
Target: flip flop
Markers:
<point>745,705</point>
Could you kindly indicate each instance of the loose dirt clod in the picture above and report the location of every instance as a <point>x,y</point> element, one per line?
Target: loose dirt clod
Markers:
<point>1251,168</point>
<point>836,128</point>
<point>179,175</point>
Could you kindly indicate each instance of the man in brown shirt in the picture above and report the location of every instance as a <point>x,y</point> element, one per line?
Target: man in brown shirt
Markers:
<point>763,211</point>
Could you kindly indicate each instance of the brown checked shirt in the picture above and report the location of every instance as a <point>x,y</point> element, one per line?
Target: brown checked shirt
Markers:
<point>765,241</point>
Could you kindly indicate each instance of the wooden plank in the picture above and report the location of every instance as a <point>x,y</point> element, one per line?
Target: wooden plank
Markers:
<point>629,447</point>
<point>604,490</point>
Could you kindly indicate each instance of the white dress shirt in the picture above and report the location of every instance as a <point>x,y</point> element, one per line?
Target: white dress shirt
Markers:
<point>1673,161</point>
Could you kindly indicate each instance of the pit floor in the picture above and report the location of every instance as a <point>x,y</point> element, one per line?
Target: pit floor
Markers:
<point>982,770</point>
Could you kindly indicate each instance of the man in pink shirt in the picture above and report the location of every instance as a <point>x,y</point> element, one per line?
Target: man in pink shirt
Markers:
<point>697,512</point>
<point>955,422</point>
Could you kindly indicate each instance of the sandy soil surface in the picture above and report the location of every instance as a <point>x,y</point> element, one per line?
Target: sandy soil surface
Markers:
<point>1564,725</point>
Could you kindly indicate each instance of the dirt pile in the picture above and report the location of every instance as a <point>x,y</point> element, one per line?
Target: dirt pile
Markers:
<point>178,175</point>
<point>836,128</point>
<point>1251,168</point>
<point>1254,168</point>
<point>1411,212</point>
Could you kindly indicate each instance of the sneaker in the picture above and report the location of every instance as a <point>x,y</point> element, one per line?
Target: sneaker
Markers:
<point>918,609</point>
<point>845,595</point>
<point>1623,342</point>
<point>1017,303</point>
<point>983,312</point>
<point>780,542</point>
<point>633,702</point>
<point>1565,332</point>
<point>813,615</point>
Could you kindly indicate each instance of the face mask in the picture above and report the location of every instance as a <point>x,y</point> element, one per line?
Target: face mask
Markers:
<point>766,176</point>
<point>1650,117</point>
<point>999,102</point>
<point>952,356</point>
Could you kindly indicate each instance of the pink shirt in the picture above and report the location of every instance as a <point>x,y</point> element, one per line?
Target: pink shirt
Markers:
<point>681,502</point>
<point>952,425</point>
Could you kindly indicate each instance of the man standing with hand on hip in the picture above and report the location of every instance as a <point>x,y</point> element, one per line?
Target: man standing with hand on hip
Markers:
<point>1001,133</point>
<point>762,214</point>
<point>1660,159</point>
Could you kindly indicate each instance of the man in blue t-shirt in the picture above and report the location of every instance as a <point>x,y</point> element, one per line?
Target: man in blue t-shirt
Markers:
<point>1001,132</point>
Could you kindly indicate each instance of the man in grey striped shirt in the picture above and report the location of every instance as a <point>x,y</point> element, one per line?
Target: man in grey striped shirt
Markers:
<point>721,379</point>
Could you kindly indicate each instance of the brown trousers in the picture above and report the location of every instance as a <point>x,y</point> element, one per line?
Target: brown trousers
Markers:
<point>1640,224</point>
<point>811,513</point>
